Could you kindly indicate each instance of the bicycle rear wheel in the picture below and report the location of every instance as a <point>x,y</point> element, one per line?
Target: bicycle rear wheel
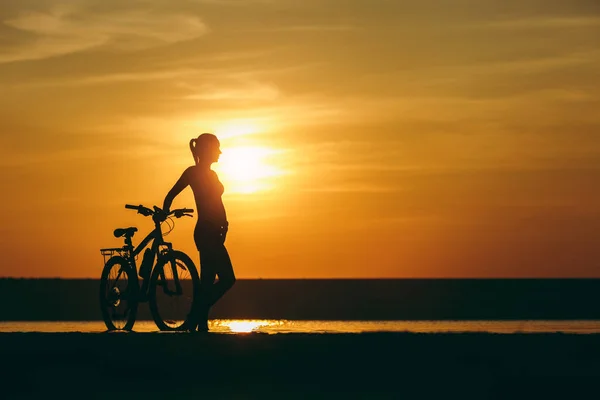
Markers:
<point>118,294</point>
<point>174,288</point>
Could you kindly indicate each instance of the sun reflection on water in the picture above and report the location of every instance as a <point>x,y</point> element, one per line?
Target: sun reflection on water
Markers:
<point>242,326</point>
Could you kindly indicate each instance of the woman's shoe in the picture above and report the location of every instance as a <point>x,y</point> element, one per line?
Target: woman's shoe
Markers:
<point>203,327</point>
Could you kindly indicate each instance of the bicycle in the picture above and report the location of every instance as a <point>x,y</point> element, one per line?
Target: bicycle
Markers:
<point>170,281</point>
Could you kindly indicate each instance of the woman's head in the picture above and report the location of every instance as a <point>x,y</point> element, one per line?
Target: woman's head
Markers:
<point>206,149</point>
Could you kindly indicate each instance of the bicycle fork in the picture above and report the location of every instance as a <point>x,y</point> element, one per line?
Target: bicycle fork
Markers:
<point>165,283</point>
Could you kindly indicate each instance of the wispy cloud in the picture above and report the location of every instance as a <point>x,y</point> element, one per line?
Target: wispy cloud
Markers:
<point>551,22</point>
<point>65,29</point>
<point>235,2</point>
<point>309,28</point>
<point>360,188</point>
<point>110,78</point>
<point>269,119</point>
<point>245,91</point>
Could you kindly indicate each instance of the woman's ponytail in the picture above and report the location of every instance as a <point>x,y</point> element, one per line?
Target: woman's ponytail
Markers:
<point>193,144</point>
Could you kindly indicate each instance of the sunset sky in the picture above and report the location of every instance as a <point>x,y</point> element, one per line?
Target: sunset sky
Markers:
<point>360,139</point>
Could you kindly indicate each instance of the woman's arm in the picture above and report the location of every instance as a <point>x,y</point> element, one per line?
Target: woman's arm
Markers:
<point>181,184</point>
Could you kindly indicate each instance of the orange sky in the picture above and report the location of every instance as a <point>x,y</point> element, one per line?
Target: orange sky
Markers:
<point>421,138</point>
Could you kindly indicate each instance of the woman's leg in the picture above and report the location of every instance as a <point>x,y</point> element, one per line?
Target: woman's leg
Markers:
<point>224,270</point>
<point>214,261</point>
<point>202,238</point>
<point>207,279</point>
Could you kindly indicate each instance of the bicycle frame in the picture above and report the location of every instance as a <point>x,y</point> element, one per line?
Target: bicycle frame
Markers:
<point>131,252</point>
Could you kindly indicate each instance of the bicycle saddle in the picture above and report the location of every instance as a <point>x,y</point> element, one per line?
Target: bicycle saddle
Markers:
<point>127,232</point>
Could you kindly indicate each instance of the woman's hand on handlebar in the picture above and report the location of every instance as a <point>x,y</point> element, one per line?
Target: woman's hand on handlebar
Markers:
<point>183,212</point>
<point>177,213</point>
<point>160,215</point>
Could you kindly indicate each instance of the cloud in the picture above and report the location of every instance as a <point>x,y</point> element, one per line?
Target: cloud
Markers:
<point>64,30</point>
<point>235,2</point>
<point>545,23</point>
<point>532,64</point>
<point>109,78</point>
<point>351,188</point>
<point>245,91</point>
<point>184,72</point>
<point>309,28</point>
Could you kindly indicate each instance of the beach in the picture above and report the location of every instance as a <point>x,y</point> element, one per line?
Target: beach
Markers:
<point>256,365</point>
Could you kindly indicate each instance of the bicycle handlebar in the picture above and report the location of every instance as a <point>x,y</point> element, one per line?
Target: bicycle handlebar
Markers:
<point>145,211</point>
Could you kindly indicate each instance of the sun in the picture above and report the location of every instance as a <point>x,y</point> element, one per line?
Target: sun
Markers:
<point>246,169</point>
<point>247,165</point>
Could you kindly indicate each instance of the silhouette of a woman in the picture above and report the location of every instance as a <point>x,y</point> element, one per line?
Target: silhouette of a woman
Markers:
<point>211,228</point>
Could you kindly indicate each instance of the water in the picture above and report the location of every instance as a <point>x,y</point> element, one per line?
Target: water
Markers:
<point>229,326</point>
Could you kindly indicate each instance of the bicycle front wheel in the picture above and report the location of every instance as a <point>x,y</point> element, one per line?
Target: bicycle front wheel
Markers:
<point>118,294</point>
<point>174,288</point>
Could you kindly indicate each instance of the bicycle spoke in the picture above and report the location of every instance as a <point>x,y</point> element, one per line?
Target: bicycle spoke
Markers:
<point>118,276</point>
<point>174,299</point>
<point>176,277</point>
<point>117,297</point>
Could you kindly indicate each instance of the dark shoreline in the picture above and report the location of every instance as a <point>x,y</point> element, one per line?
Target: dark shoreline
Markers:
<point>368,365</point>
<point>334,299</point>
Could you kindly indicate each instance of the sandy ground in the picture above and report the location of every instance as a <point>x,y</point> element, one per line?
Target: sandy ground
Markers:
<point>259,366</point>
